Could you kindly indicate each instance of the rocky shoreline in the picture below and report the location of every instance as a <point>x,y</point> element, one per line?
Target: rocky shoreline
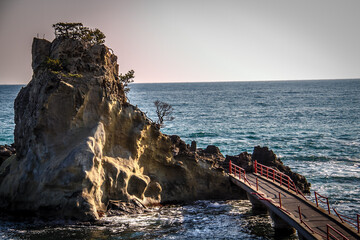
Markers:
<point>83,151</point>
<point>210,155</point>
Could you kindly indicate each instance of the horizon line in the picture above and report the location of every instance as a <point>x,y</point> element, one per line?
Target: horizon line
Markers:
<point>219,81</point>
<point>271,80</point>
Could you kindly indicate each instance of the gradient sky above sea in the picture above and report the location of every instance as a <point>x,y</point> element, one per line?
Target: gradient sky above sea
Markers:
<point>197,40</point>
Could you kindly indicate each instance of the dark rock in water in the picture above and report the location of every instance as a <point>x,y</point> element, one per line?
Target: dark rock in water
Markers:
<point>268,158</point>
<point>265,156</point>
<point>212,149</point>
<point>116,208</point>
<point>6,151</point>
<point>242,160</point>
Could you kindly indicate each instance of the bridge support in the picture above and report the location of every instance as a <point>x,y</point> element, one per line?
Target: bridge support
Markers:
<point>257,206</point>
<point>282,228</point>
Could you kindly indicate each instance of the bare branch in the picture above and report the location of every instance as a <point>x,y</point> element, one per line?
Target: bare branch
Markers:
<point>164,112</point>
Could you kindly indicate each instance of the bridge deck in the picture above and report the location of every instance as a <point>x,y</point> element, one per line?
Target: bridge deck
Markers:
<point>316,218</point>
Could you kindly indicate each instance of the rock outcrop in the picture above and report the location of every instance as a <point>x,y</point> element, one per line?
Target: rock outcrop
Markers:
<point>6,151</point>
<point>242,160</point>
<point>268,158</point>
<point>80,145</point>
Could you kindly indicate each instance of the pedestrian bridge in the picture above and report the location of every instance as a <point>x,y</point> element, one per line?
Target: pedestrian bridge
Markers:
<point>290,209</point>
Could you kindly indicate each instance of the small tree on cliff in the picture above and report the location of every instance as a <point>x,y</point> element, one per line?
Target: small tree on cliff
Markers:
<point>125,79</point>
<point>79,32</point>
<point>163,112</point>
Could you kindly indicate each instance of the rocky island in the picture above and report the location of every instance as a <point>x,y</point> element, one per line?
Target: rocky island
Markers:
<point>82,149</point>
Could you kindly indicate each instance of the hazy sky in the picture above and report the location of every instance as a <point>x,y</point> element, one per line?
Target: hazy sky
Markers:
<point>197,40</point>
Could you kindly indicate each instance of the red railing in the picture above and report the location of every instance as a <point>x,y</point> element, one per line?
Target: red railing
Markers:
<point>306,225</point>
<point>329,235</point>
<point>319,198</point>
<point>285,180</point>
<point>332,236</point>
<point>280,205</point>
<point>353,221</point>
<point>276,176</point>
<point>343,218</point>
<point>261,197</point>
<point>238,172</point>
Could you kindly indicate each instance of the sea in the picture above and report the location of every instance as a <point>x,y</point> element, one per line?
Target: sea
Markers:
<point>312,126</point>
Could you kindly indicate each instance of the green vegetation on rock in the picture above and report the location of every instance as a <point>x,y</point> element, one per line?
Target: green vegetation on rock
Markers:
<point>127,78</point>
<point>53,64</point>
<point>56,66</point>
<point>79,32</point>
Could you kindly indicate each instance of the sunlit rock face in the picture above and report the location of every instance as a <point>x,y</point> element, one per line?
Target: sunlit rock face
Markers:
<point>80,144</point>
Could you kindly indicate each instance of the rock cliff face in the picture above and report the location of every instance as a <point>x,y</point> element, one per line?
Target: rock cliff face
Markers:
<point>80,144</point>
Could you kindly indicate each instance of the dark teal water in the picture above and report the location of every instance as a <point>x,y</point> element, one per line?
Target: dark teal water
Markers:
<point>8,94</point>
<point>312,125</point>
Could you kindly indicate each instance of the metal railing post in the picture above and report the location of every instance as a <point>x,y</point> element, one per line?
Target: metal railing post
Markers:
<point>267,173</point>
<point>230,166</point>
<point>327,232</point>
<point>280,200</point>
<point>300,214</point>
<point>316,200</point>
<point>339,216</point>
<point>288,183</point>
<point>327,201</point>
<point>274,175</point>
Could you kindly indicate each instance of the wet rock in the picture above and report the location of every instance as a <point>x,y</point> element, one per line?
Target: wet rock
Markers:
<point>242,160</point>
<point>6,151</point>
<point>116,208</point>
<point>212,149</point>
<point>267,157</point>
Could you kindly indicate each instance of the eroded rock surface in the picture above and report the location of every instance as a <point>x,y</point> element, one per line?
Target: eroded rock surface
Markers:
<point>80,145</point>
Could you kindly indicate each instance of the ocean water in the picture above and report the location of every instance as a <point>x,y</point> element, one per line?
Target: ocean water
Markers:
<point>200,220</point>
<point>8,94</point>
<point>313,126</point>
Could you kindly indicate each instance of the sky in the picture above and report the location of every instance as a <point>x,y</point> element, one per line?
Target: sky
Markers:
<point>197,40</point>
